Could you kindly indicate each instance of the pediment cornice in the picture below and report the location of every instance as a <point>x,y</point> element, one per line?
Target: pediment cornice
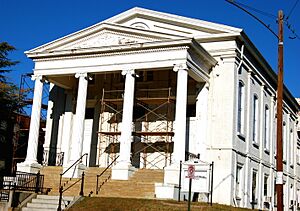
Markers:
<point>105,34</point>
<point>201,25</point>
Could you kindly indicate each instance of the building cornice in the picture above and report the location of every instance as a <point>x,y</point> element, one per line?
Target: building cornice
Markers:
<point>104,53</point>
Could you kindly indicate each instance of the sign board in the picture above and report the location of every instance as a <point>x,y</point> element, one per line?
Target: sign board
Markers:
<point>191,172</point>
<point>200,175</point>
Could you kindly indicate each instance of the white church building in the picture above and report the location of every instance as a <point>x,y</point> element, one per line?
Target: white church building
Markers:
<point>151,89</point>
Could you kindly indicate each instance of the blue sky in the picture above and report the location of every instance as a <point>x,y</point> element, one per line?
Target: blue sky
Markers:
<point>28,24</point>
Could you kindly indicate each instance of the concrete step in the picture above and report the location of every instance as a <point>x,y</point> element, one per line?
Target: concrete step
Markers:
<point>140,185</point>
<point>43,205</point>
<point>47,197</point>
<point>46,203</point>
<point>37,209</point>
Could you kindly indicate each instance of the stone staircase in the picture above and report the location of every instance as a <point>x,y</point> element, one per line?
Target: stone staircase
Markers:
<point>140,185</point>
<point>47,203</point>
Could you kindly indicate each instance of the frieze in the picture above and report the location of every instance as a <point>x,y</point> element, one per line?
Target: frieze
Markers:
<point>106,38</point>
<point>93,55</point>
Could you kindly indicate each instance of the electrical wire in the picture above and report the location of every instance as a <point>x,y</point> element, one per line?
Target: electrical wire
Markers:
<point>256,18</point>
<point>290,13</point>
<point>257,10</point>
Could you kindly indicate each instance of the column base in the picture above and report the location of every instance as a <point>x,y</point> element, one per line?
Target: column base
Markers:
<point>29,167</point>
<point>122,171</point>
<point>75,171</point>
<point>164,191</point>
<point>171,174</point>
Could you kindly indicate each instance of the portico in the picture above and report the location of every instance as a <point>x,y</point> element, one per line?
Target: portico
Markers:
<point>69,65</point>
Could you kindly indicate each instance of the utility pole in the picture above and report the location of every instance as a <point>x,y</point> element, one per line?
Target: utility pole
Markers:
<point>279,157</point>
<point>279,142</point>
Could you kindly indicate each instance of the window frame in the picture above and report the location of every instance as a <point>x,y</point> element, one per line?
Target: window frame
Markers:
<point>241,108</point>
<point>254,196</point>
<point>266,128</point>
<point>255,119</point>
<point>238,180</point>
<point>284,141</point>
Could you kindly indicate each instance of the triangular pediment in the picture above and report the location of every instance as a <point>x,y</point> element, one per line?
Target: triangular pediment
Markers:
<point>169,23</point>
<point>103,35</point>
<point>136,25</point>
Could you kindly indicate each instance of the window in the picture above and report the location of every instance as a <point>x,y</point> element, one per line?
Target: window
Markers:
<point>292,148</point>
<point>292,195</point>
<point>255,120</point>
<point>284,142</point>
<point>254,186</point>
<point>267,128</point>
<point>241,102</point>
<point>298,155</point>
<point>238,177</point>
<point>266,180</point>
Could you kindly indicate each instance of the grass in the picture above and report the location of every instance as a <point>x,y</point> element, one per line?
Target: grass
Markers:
<point>129,204</point>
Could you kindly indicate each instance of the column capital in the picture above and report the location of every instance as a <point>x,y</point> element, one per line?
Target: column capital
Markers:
<point>81,74</point>
<point>129,71</point>
<point>39,77</point>
<point>181,66</point>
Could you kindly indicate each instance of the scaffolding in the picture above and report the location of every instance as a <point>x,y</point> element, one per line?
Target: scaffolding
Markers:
<point>152,127</point>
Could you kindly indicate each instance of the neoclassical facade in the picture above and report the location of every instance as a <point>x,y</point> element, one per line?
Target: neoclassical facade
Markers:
<point>146,89</point>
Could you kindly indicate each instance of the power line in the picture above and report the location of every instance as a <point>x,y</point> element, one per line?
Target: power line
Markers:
<point>256,18</point>
<point>257,10</point>
<point>292,30</point>
<point>290,13</point>
<point>289,26</point>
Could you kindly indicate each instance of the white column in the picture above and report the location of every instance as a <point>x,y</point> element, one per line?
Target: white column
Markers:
<point>79,118</point>
<point>172,172</point>
<point>126,131</point>
<point>124,169</point>
<point>78,129</point>
<point>180,113</point>
<point>202,122</point>
<point>67,129</point>
<point>30,164</point>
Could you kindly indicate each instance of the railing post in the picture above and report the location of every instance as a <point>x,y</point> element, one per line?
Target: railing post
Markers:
<point>86,160</point>
<point>97,183</point>
<point>179,183</point>
<point>211,184</point>
<point>37,182</point>
<point>60,198</point>
<point>82,184</point>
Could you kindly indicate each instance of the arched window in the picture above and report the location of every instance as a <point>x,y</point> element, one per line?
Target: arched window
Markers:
<point>241,108</point>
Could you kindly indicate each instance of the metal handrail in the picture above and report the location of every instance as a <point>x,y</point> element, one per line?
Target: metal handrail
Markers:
<point>60,188</point>
<point>99,175</point>
<point>80,159</point>
<point>25,181</point>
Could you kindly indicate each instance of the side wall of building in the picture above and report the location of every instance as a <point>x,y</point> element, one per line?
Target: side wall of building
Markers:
<point>242,132</point>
